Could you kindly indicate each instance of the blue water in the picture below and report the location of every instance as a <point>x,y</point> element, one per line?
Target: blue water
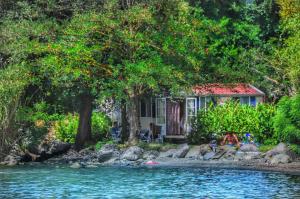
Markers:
<point>107,182</point>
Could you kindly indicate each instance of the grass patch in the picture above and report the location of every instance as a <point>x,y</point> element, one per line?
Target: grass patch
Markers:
<point>265,148</point>
<point>295,148</point>
<point>157,146</point>
<point>100,144</point>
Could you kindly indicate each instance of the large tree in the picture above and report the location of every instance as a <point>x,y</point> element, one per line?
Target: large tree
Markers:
<point>77,62</point>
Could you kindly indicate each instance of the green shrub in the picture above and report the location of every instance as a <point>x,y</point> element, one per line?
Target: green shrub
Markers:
<point>287,120</point>
<point>66,128</point>
<point>264,148</point>
<point>100,125</point>
<point>233,117</point>
<point>295,148</point>
<point>37,122</point>
<point>100,144</point>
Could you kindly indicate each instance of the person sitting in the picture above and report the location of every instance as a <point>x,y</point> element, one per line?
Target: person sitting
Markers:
<point>230,139</point>
<point>248,139</point>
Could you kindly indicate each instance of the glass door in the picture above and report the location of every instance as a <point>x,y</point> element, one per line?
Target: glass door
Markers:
<point>191,109</point>
<point>161,111</point>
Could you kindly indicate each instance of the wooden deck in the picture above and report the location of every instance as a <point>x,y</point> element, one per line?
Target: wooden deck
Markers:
<point>176,139</point>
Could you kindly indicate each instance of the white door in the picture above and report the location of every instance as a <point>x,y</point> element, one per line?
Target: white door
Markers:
<point>161,113</point>
<point>191,111</point>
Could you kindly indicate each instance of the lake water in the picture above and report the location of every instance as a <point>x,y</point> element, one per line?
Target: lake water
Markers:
<point>115,182</point>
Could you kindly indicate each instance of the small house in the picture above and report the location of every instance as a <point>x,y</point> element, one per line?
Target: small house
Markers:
<point>173,114</point>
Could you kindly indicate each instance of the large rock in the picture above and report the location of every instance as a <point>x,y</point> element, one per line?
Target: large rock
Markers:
<point>229,154</point>
<point>58,147</point>
<point>107,152</point>
<point>280,159</point>
<point>11,160</point>
<point>209,155</point>
<point>133,153</point>
<point>167,154</point>
<point>48,150</point>
<point>181,151</point>
<point>75,165</point>
<point>281,148</point>
<point>150,155</point>
<point>247,156</point>
<point>249,148</point>
<point>204,148</point>
<point>70,156</point>
<point>194,153</point>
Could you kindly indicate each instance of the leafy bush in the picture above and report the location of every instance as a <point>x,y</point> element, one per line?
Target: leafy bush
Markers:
<point>287,120</point>
<point>233,117</point>
<point>100,144</point>
<point>13,81</point>
<point>36,121</point>
<point>100,125</point>
<point>66,128</point>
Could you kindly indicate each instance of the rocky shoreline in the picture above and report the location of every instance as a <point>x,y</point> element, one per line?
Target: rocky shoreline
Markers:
<point>279,158</point>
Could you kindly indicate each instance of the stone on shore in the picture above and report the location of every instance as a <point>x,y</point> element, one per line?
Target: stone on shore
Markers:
<point>11,160</point>
<point>281,148</point>
<point>194,153</point>
<point>240,156</point>
<point>181,151</point>
<point>58,147</point>
<point>249,148</point>
<point>150,155</point>
<point>107,152</point>
<point>167,154</point>
<point>204,148</point>
<point>75,165</point>
<point>229,153</point>
<point>133,153</point>
<point>209,155</point>
<point>280,159</point>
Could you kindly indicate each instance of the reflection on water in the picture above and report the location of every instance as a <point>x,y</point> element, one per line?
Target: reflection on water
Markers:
<point>107,182</point>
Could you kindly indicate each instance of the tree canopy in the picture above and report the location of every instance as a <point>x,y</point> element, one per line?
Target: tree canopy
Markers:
<point>75,52</point>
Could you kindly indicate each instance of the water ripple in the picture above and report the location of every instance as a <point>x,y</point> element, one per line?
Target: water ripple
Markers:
<point>107,182</point>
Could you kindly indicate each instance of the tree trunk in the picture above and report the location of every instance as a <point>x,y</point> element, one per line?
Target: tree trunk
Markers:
<point>124,132</point>
<point>134,120</point>
<point>84,133</point>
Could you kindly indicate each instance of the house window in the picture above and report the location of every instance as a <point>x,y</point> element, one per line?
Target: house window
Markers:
<point>191,108</point>
<point>236,99</point>
<point>145,108</point>
<point>244,100</point>
<point>153,109</point>
<point>253,101</point>
<point>202,102</point>
<point>210,101</point>
<point>161,111</point>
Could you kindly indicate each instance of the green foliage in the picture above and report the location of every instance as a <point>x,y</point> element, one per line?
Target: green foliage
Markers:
<point>36,122</point>
<point>286,120</point>
<point>266,147</point>
<point>100,125</point>
<point>156,146</point>
<point>295,148</point>
<point>13,81</point>
<point>66,128</point>
<point>233,117</point>
<point>100,144</point>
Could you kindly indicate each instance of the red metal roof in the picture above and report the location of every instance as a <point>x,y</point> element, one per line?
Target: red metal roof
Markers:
<point>227,89</point>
